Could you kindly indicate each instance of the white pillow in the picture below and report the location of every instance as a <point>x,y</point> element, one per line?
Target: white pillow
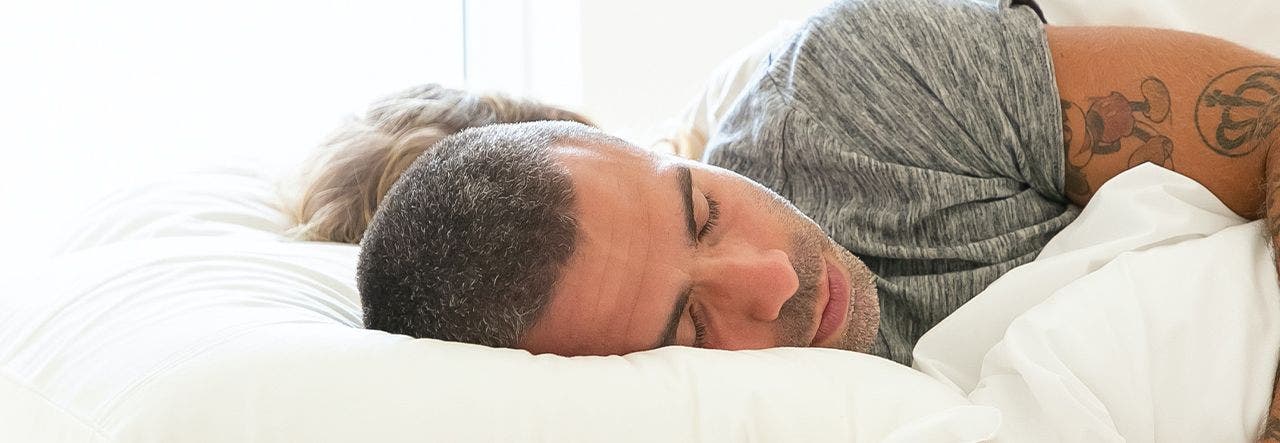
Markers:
<point>181,314</point>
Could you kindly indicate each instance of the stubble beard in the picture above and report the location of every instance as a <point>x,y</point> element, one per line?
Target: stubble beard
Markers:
<point>809,244</point>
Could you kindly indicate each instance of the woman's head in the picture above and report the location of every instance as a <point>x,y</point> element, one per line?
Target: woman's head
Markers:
<point>343,184</point>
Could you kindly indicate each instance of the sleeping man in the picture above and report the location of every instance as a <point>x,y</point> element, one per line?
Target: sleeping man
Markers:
<point>886,164</point>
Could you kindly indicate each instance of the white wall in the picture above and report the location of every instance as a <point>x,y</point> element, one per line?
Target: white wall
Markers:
<point>526,48</point>
<point>628,65</point>
<point>96,95</point>
<point>643,60</point>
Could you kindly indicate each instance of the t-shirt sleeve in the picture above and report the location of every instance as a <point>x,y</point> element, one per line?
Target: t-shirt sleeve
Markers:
<point>1032,5</point>
<point>958,86</point>
<point>961,86</point>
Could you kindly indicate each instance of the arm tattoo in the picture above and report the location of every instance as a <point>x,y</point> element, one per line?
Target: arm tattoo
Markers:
<point>1237,113</point>
<point>1239,110</point>
<point>1109,123</point>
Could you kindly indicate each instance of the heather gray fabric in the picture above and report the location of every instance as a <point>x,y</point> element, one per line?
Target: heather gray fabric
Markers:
<point>923,135</point>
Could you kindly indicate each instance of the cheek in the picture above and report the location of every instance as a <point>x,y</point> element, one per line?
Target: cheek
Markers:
<point>787,217</point>
<point>753,209</point>
<point>775,205</point>
<point>771,223</point>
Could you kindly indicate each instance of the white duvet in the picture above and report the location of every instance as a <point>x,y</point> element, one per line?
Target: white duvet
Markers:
<point>181,314</point>
<point>1153,317</point>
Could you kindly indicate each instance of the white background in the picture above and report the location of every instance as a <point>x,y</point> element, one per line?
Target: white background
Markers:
<point>95,95</point>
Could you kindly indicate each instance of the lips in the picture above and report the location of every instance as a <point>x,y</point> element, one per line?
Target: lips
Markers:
<point>837,307</point>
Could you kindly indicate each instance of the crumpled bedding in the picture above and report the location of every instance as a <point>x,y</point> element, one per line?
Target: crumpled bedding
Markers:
<point>1154,317</point>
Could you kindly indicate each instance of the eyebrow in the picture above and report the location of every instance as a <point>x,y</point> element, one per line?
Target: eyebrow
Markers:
<point>673,320</point>
<point>684,180</point>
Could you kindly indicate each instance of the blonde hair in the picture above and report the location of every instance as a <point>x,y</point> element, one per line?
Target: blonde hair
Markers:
<point>341,186</point>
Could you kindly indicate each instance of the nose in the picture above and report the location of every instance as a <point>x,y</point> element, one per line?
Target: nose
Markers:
<point>754,284</point>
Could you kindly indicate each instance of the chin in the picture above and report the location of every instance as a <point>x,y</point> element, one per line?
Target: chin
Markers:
<point>863,318</point>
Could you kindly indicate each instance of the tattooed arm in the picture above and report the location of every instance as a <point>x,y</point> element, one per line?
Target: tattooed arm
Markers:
<point>1200,106</point>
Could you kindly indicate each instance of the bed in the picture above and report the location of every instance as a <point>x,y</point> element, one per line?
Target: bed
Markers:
<point>181,312</point>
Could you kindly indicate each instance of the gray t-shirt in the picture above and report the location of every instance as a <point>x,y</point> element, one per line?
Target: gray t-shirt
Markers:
<point>923,135</point>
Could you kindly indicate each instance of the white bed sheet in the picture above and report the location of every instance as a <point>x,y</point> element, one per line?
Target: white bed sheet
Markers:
<point>1155,316</point>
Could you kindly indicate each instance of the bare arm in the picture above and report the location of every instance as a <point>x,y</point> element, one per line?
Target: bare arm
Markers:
<point>1188,102</point>
<point>1203,107</point>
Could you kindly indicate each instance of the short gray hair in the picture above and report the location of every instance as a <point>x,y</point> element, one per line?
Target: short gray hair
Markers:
<point>469,242</point>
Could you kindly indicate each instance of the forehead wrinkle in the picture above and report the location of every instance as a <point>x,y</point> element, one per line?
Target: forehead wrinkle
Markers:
<point>608,286</point>
<point>646,219</point>
<point>591,320</point>
<point>592,239</point>
<point>612,272</point>
<point>620,231</point>
<point>624,252</point>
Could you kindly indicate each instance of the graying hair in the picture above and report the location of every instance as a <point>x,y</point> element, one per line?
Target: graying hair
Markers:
<point>469,242</point>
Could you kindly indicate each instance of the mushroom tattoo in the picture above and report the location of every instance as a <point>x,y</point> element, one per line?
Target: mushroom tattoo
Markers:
<point>1110,121</point>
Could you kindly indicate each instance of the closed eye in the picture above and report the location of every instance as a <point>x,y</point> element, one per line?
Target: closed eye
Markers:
<point>699,329</point>
<point>713,215</point>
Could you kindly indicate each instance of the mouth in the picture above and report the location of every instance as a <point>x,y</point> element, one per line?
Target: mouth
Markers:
<point>837,306</point>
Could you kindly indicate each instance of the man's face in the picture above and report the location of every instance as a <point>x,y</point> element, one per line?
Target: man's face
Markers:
<point>675,252</point>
